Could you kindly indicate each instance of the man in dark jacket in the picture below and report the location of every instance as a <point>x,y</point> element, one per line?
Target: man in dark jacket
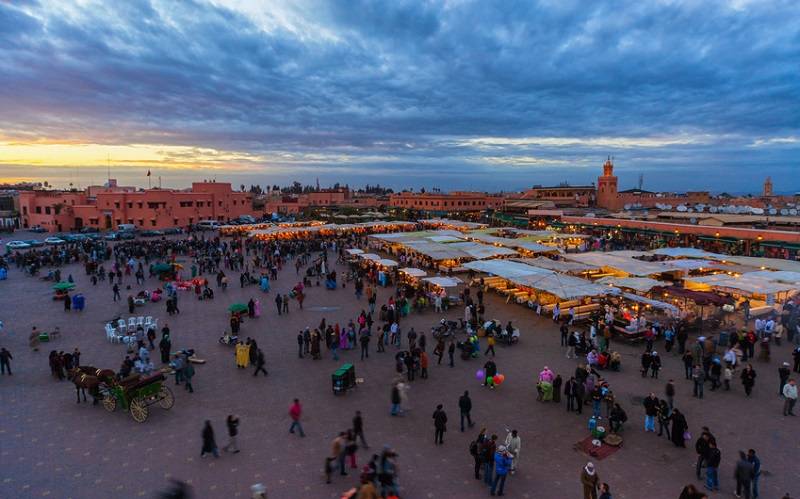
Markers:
<point>465,406</point>
<point>260,363</point>
<point>569,392</point>
<point>713,458</point>
<point>650,411</point>
<point>358,429</point>
<point>440,424</point>
<point>744,475</point>
<point>756,462</point>
<point>701,448</point>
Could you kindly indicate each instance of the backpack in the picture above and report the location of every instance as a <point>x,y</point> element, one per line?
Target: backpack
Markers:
<point>473,448</point>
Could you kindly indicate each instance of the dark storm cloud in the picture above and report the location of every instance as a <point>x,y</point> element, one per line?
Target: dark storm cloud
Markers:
<point>388,89</point>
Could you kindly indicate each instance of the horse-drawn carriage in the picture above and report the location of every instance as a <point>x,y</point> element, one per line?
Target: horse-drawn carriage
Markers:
<point>136,394</point>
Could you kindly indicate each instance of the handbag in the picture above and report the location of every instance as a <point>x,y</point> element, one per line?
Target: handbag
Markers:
<point>686,435</point>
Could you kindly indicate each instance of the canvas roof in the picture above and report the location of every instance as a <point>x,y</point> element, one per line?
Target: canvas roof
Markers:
<point>354,251</point>
<point>507,269</point>
<point>686,253</point>
<point>563,286</point>
<point>564,266</point>
<point>386,262</point>
<point>623,264</point>
<point>746,283</point>
<point>481,251</point>
<point>641,284</point>
<point>444,282</point>
<point>414,272</point>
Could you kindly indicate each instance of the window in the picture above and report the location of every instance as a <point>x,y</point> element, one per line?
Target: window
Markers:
<point>191,220</point>
<point>187,204</point>
<point>152,222</point>
<point>24,210</point>
<point>130,205</point>
<point>118,221</point>
<point>94,221</point>
<point>130,220</point>
<point>152,206</point>
<point>148,205</point>
<point>141,222</point>
<point>47,210</point>
<point>116,205</point>
<point>219,203</point>
<point>174,221</point>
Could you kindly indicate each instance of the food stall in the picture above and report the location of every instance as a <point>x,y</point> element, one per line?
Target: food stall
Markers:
<point>444,287</point>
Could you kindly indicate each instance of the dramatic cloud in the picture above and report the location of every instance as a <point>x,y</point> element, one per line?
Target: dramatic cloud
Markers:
<point>456,94</point>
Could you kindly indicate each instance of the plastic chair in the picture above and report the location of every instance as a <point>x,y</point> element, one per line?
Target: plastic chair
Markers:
<point>155,324</point>
<point>132,324</point>
<point>121,324</point>
<point>140,321</point>
<point>148,320</point>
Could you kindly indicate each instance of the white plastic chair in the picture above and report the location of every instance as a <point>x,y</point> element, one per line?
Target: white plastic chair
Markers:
<point>148,320</point>
<point>155,324</point>
<point>121,324</point>
<point>140,321</point>
<point>132,324</point>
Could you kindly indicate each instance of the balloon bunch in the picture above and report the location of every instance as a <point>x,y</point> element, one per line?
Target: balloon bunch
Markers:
<point>497,379</point>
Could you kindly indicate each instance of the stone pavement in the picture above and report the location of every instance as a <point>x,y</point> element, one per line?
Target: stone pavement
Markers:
<point>52,447</point>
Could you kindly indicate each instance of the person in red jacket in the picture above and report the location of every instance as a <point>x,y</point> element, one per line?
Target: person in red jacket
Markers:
<point>295,411</point>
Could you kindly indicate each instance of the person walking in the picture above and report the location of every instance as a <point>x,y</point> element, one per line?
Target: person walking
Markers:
<point>701,448</point>
<point>187,373</point>
<point>115,290</point>
<point>300,344</point>
<point>233,430</point>
<point>502,462</point>
<point>358,429</point>
<point>490,345</point>
<point>464,407</point>
<point>789,395</point>
<point>209,444</point>
<point>699,379</point>
<point>364,340</point>
<point>748,379</point>
<point>451,351</point>
<point>440,424</point>
<point>589,481</point>
<point>295,411</point>
<point>279,303</point>
<point>487,459</point>
<point>713,458</point>
<point>514,446</point>
<point>669,394</point>
<point>756,462</point>
<point>396,399</point>
<point>650,410</point>
<point>5,361</point>
<point>260,362</point>
<point>783,375</point>
<point>743,474</point>
<point>476,451</point>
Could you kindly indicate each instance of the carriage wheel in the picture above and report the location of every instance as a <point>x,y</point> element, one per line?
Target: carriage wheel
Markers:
<point>167,399</point>
<point>109,402</point>
<point>139,410</point>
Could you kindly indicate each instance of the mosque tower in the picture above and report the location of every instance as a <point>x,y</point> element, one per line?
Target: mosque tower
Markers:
<point>607,187</point>
<point>768,187</point>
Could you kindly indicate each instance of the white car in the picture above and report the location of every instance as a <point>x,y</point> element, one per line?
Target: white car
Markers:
<point>54,240</point>
<point>17,245</point>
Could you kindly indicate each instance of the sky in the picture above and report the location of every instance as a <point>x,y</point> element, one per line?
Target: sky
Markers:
<point>454,94</point>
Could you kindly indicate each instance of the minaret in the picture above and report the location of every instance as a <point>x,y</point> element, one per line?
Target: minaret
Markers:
<point>607,187</point>
<point>768,187</point>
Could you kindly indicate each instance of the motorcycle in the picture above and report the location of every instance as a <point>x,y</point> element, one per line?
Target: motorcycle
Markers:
<point>228,339</point>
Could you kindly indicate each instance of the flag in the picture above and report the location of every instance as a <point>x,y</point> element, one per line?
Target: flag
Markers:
<point>148,173</point>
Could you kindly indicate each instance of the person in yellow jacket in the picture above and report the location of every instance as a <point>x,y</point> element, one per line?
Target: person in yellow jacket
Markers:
<point>242,355</point>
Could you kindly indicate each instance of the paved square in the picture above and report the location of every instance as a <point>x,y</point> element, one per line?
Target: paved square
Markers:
<point>53,447</point>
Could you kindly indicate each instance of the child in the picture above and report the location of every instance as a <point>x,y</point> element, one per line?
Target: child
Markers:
<point>728,376</point>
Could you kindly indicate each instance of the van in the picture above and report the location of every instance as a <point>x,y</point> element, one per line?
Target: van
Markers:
<point>208,225</point>
<point>126,227</point>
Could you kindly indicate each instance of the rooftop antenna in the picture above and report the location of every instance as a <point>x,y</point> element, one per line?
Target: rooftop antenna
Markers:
<point>108,165</point>
<point>641,180</point>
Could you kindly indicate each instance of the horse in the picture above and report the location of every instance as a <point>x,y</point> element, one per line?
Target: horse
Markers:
<point>89,377</point>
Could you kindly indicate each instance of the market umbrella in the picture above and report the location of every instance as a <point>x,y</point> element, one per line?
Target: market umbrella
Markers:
<point>162,267</point>
<point>63,286</point>
<point>238,307</point>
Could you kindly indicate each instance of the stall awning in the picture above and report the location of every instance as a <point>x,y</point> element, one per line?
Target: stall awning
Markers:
<point>507,269</point>
<point>386,262</point>
<point>556,265</point>
<point>619,263</point>
<point>563,286</point>
<point>745,283</point>
<point>370,256</point>
<point>414,272</point>
<point>354,251</point>
<point>641,284</point>
<point>653,303</point>
<point>444,282</point>
<point>699,297</point>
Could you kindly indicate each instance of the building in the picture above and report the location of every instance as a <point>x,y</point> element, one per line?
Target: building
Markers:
<point>445,202</point>
<point>106,207</point>
<point>767,187</point>
<point>607,187</point>
<point>9,210</point>
<point>293,204</point>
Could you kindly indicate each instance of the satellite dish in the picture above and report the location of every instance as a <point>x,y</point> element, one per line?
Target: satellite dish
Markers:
<point>713,209</point>
<point>773,211</point>
<point>681,208</point>
<point>757,211</point>
<point>669,206</point>
<point>793,212</point>
<point>784,211</point>
<point>693,220</point>
<point>627,207</point>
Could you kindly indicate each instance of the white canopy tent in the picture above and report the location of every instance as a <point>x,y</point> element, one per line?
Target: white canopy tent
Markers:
<point>625,265</point>
<point>386,262</point>
<point>641,284</point>
<point>354,251</point>
<point>744,284</point>
<point>370,256</point>
<point>563,286</point>
<point>444,282</point>
<point>507,269</point>
<point>413,272</point>
<point>653,303</point>
<point>562,266</point>
<point>482,251</point>
<point>686,253</point>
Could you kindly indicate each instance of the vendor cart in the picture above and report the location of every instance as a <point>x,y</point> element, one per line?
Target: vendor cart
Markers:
<point>344,379</point>
<point>62,289</point>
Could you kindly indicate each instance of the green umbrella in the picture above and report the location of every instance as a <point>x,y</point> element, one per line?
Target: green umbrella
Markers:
<point>162,267</point>
<point>238,307</point>
<point>63,286</point>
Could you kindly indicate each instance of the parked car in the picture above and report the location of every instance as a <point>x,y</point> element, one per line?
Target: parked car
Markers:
<point>172,231</point>
<point>17,245</point>
<point>34,243</point>
<point>89,230</point>
<point>208,225</point>
<point>126,235</point>
<point>54,240</point>
<point>111,236</point>
<point>37,228</point>
<point>151,233</point>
